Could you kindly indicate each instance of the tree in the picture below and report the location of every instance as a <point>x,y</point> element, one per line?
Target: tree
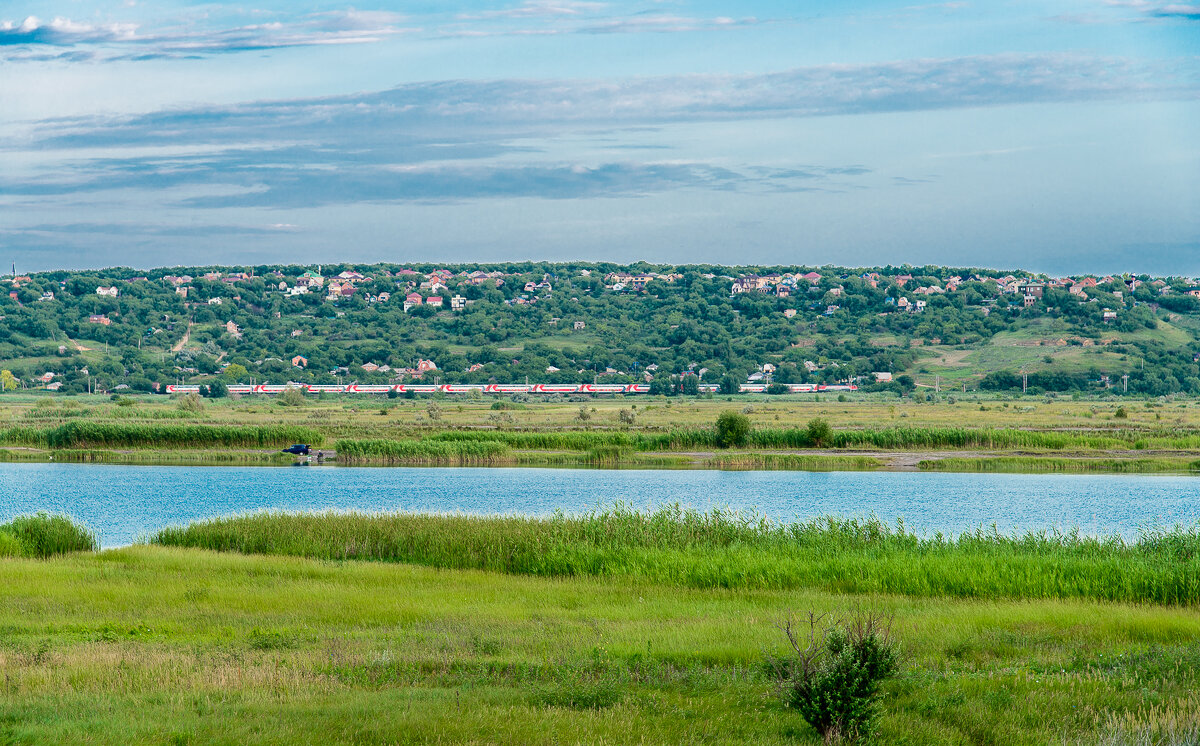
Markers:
<point>235,372</point>
<point>690,386</point>
<point>733,429</point>
<point>8,382</point>
<point>819,432</point>
<point>730,385</point>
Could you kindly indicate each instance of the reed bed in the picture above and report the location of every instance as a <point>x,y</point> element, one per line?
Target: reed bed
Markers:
<point>897,438</point>
<point>147,435</point>
<point>142,456</point>
<point>1039,464</point>
<point>44,535</point>
<point>378,450</point>
<point>723,549</point>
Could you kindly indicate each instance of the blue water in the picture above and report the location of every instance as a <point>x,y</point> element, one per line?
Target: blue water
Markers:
<point>123,503</point>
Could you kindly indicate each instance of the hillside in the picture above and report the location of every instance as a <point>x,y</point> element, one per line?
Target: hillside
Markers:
<point>953,328</point>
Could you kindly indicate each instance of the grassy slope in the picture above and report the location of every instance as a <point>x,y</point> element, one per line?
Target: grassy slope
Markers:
<point>149,644</point>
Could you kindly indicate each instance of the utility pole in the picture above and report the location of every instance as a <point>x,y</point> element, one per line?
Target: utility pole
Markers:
<point>1125,384</point>
<point>1024,382</point>
<point>937,384</point>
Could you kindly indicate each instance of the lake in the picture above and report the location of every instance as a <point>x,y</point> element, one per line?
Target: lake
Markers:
<point>123,503</point>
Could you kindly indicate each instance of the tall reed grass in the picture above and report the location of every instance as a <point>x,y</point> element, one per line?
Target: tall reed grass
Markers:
<point>44,535</point>
<point>725,549</point>
<point>420,451</point>
<point>156,435</point>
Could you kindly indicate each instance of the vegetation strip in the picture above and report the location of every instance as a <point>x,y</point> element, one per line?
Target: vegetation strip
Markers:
<point>730,550</point>
<point>1041,464</point>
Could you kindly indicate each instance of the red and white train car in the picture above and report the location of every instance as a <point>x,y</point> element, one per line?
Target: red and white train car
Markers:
<point>491,388</point>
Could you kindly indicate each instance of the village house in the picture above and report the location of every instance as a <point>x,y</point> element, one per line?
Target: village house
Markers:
<point>578,325</point>
<point>110,291</point>
<point>99,319</point>
<point>182,290</point>
<point>435,301</point>
<point>412,300</point>
<point>458,303</point>
<point>370,367</point>
<point>48,295</point>
<point>298,290</point>
<point>299,361</point>
<point>215,301</point>
<point>789,313</point>
<point>232,329</point>
<point>310,279</point>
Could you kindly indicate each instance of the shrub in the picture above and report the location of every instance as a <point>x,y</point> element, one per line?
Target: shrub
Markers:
<point>434,411</point>
<point>190,403</point>
<point>819,432</point>
<point>626,416</point>
<point>1121,414</point>
<point>834,671</point>
<point>292,398</point>
<point>777,388</point>
<point>583,415</point>
<point>732,429</point>
<point>44,535</point>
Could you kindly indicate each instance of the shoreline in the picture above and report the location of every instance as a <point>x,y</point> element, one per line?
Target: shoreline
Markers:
<point>815,460</point>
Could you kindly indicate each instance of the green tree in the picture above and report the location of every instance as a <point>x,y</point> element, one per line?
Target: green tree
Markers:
<point>733,428</point>
<point>8,382</point>
<point>235,372</point>
<point>819,432</point>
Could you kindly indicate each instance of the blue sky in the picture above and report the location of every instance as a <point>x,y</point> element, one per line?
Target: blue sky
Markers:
<point>1059,136</point>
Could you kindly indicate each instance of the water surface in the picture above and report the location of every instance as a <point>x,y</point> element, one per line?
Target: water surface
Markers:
<point>122,503</point>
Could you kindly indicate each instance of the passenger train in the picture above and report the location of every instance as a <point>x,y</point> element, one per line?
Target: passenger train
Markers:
<point>492,388</point>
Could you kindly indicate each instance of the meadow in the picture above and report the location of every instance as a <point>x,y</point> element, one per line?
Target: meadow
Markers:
<point>405,644</point>
<point>866,431</point>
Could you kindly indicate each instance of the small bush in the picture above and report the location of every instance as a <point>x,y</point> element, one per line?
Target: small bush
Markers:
<point>819,432</point>
<point>292,398</point>
<point>626,416</point>
<point>834,671</point>
<point>732,429</point>
<point>190,403</point>
<point>583,415</point>
<point>269,639</point>
<point>44,535</point>
<point>1121,414</point>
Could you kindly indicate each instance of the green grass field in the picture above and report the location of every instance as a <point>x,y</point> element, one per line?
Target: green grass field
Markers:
<point>155,644</point>
<point>869,431</point>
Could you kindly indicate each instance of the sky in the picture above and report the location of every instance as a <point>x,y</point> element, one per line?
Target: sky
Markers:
<point>1058,136</point>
